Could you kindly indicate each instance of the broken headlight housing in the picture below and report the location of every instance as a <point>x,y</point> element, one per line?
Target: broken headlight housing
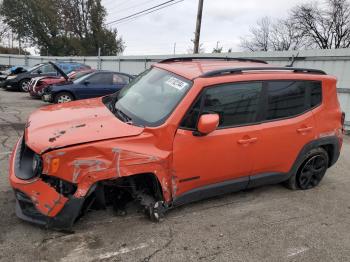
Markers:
<point>28,164</point>
<point>36,165</point>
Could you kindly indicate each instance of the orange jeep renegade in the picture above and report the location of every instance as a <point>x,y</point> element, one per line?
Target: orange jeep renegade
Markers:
<point>186,129</point>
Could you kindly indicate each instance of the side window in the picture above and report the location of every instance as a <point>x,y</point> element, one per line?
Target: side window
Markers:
<point>285,99</point>
<point>100,79</point>
<point>46,69</point>
<point>236,104</point>
<point>191,118</point>
<point>120,79</point>
<point>291,98</point>
<point>316,93</point>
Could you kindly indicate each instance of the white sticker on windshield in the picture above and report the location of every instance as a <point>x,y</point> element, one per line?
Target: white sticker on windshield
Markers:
<point>176,83</point>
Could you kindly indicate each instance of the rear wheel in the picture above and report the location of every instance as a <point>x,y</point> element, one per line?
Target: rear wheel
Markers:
<point>311,171</point>
<point>63,97</point>
<point>23,85</point>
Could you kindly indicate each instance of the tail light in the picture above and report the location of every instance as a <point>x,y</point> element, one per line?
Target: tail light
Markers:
<point>343,122</point>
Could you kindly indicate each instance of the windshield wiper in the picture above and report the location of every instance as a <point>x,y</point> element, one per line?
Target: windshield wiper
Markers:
<point>122,116</point>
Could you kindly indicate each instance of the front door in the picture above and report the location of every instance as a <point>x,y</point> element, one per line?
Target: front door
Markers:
<point>225,154</point>
<point>98,84</point>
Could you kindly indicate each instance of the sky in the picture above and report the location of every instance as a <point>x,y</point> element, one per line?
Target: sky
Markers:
<point>225,21</point>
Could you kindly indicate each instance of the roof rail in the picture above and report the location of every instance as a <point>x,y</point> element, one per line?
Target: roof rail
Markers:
<point>228,71</point>
<point>225,58</point>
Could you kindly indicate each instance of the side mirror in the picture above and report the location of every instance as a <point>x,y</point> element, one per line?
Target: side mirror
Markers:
<point>39,72</point>
<point>86,83</point>
<point>207,124</point>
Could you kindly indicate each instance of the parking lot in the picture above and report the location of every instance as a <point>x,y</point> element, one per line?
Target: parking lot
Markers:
<point>266,224</point>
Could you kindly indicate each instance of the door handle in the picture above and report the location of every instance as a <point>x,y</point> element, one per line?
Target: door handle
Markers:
<point>247,141</point>
<point>304,129</point>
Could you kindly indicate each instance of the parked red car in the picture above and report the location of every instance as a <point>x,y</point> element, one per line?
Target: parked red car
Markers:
<point>37,85</point>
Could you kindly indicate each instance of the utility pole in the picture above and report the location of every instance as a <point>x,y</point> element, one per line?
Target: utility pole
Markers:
<point>174,48</point>
<point>11,39</point>
<point>19,45</point>
<point>99,58</point>
<point>198,26</point>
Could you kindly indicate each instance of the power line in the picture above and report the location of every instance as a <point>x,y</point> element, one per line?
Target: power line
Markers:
<point>116,7</point>
<point>143,14</point>
<point>140,12</point>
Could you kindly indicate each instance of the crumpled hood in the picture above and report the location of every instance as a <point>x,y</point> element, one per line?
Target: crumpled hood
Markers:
<point>74,123</point>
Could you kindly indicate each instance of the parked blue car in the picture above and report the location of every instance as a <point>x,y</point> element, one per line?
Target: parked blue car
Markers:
<point>95,84</point>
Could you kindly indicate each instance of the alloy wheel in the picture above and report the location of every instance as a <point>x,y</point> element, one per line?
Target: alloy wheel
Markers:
<point>64,99</point>
<point>312,172</point>
<point>24,86</point>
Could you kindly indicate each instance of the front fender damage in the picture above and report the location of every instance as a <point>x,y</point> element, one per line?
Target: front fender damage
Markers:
<point>102,177</point>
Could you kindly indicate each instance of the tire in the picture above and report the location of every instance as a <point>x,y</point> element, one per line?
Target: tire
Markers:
<point>63,97</point>
<point>23,85</point>
<point>311,171</point>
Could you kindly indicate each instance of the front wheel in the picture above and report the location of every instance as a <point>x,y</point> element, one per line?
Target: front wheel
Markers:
<point>311,171</point>
<point>23,85</point>
<point>63,97</point>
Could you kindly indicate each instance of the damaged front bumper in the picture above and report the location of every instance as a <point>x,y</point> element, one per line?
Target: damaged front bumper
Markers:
<point>64,220</point>
<point>38,202</point>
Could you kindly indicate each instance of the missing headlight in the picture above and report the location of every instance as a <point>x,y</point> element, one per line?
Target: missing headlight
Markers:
<point>28,164</point>
<point>63,187</point>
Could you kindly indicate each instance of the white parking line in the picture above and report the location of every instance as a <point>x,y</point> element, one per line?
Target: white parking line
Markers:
<point>296,251</point>
<point>82,252</point>
<point>121,251</point>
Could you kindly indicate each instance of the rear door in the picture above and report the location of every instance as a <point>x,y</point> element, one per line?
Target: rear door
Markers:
<point>288,124</point>
<point>226,153</point>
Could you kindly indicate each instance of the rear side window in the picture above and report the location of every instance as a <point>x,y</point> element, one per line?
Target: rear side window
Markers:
<point>285,99</point>
<point>316,93</point>
<point>236,104</point>
<point>291,98</point>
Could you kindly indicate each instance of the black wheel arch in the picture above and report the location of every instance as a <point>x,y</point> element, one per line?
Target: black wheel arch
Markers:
<point>330,144</point>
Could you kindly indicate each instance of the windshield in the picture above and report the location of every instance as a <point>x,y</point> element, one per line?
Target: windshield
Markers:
<point>76,75</point>
<point>34,67</point>
<point>150,98</point>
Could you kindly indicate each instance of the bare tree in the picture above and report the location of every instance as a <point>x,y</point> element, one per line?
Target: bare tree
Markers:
<point>278,35</point>
<point>327,27</point>
<point>258,40</point>
<point>285,36</point>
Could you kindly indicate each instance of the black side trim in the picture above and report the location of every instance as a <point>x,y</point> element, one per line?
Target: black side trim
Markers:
<point>211,191</point>
<point>267,179</point>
